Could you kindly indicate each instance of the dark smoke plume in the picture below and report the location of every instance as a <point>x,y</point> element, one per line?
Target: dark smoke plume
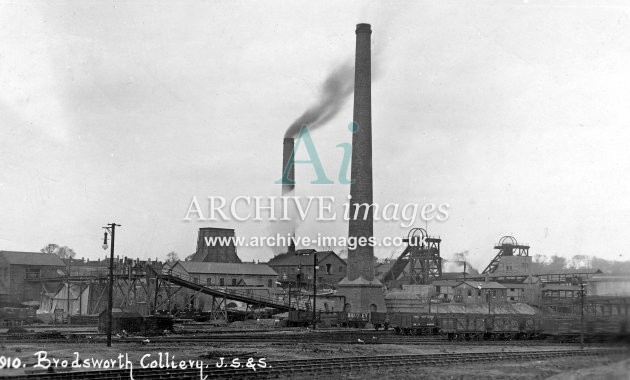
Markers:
<point>334,93</point>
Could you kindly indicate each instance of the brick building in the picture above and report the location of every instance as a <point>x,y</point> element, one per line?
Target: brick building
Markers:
<point>21,274</point>
<point>479,292</point>
<point>228,274</point>
<point>332,268</point>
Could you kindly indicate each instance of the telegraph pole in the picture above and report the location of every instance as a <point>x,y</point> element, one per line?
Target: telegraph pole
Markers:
<point>314,288</point>
<point>68,289</point>
<point>111,229</point>
<point>581,314</point>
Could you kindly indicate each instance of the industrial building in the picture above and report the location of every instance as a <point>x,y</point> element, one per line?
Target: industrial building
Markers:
<point>228,274</point>
<point>294,268</point>
<point>21,275</point>
<point>609,285</point>
<point>476,292</point>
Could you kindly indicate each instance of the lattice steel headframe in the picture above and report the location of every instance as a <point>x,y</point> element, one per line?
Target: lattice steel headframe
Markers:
<point>508,246</point>
<point>421,259</point>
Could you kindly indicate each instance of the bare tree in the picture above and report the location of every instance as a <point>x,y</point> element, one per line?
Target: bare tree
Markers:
<point>539,263</point>
<point>50,248</point>
<point>171,257</point>
<point>579,261</point>
<point>557,263</point>
<point>64,252</point>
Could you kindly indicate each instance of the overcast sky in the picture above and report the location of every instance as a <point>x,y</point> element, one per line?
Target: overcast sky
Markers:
<point>515,113</point>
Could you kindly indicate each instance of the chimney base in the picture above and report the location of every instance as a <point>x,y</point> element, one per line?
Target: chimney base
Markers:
<point>362,296</point>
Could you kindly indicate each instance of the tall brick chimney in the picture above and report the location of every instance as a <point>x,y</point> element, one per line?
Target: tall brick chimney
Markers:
<point>360,260</point>
<point>288,180</point>
<point>363,292</point>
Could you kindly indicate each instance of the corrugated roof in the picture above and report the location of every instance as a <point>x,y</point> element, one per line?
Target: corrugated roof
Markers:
<point>410,303</point>
<point>519,286</point>
<point>484,285</point>
<point>228,268</point>
<point>560,287</point>
<point>482,308</point>
<point>445,282</point>
<point>609,277</point>
<point>567,271</point>
<point>32,258</point>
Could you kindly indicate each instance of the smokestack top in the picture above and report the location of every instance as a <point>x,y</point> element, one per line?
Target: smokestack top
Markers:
<point>364,28</point>
<point>288,167</point>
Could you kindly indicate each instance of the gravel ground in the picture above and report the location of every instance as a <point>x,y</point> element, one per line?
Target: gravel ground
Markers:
<point>614,367</point>
<point>209,353</point>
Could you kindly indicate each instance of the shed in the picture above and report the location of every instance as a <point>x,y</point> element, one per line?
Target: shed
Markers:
<point>121,320</point>
<point>476,292</point>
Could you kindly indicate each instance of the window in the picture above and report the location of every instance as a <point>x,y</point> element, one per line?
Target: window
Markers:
<point>196,280</point>
<point>233,282</point>
<point>511,289</point>
<point>511,298</point>
<point>209,281</point>
<point>221,281</point>
<point>32,272</point>
<point>479,293</point>
<point>437,289</point>
<point>469,293</point>
<point>340,269</point>
<point>328,268</point>
<point>269,283</point>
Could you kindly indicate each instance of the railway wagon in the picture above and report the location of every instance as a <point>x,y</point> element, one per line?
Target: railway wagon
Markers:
<point>329,318</point>
<point>463,326</point>
<point>414,324</point>
<point>17,315</point>
<point>502,327</point>
<point>610,328</point>
<point>569,329</point>
<point>380,319</point>
<point>354,319</point>
<point>303,318</point>
<point>529,327</point>
<point>565,329</point>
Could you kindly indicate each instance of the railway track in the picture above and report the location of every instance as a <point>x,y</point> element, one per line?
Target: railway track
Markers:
<point>322,367</point>
<point>336,337</point>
